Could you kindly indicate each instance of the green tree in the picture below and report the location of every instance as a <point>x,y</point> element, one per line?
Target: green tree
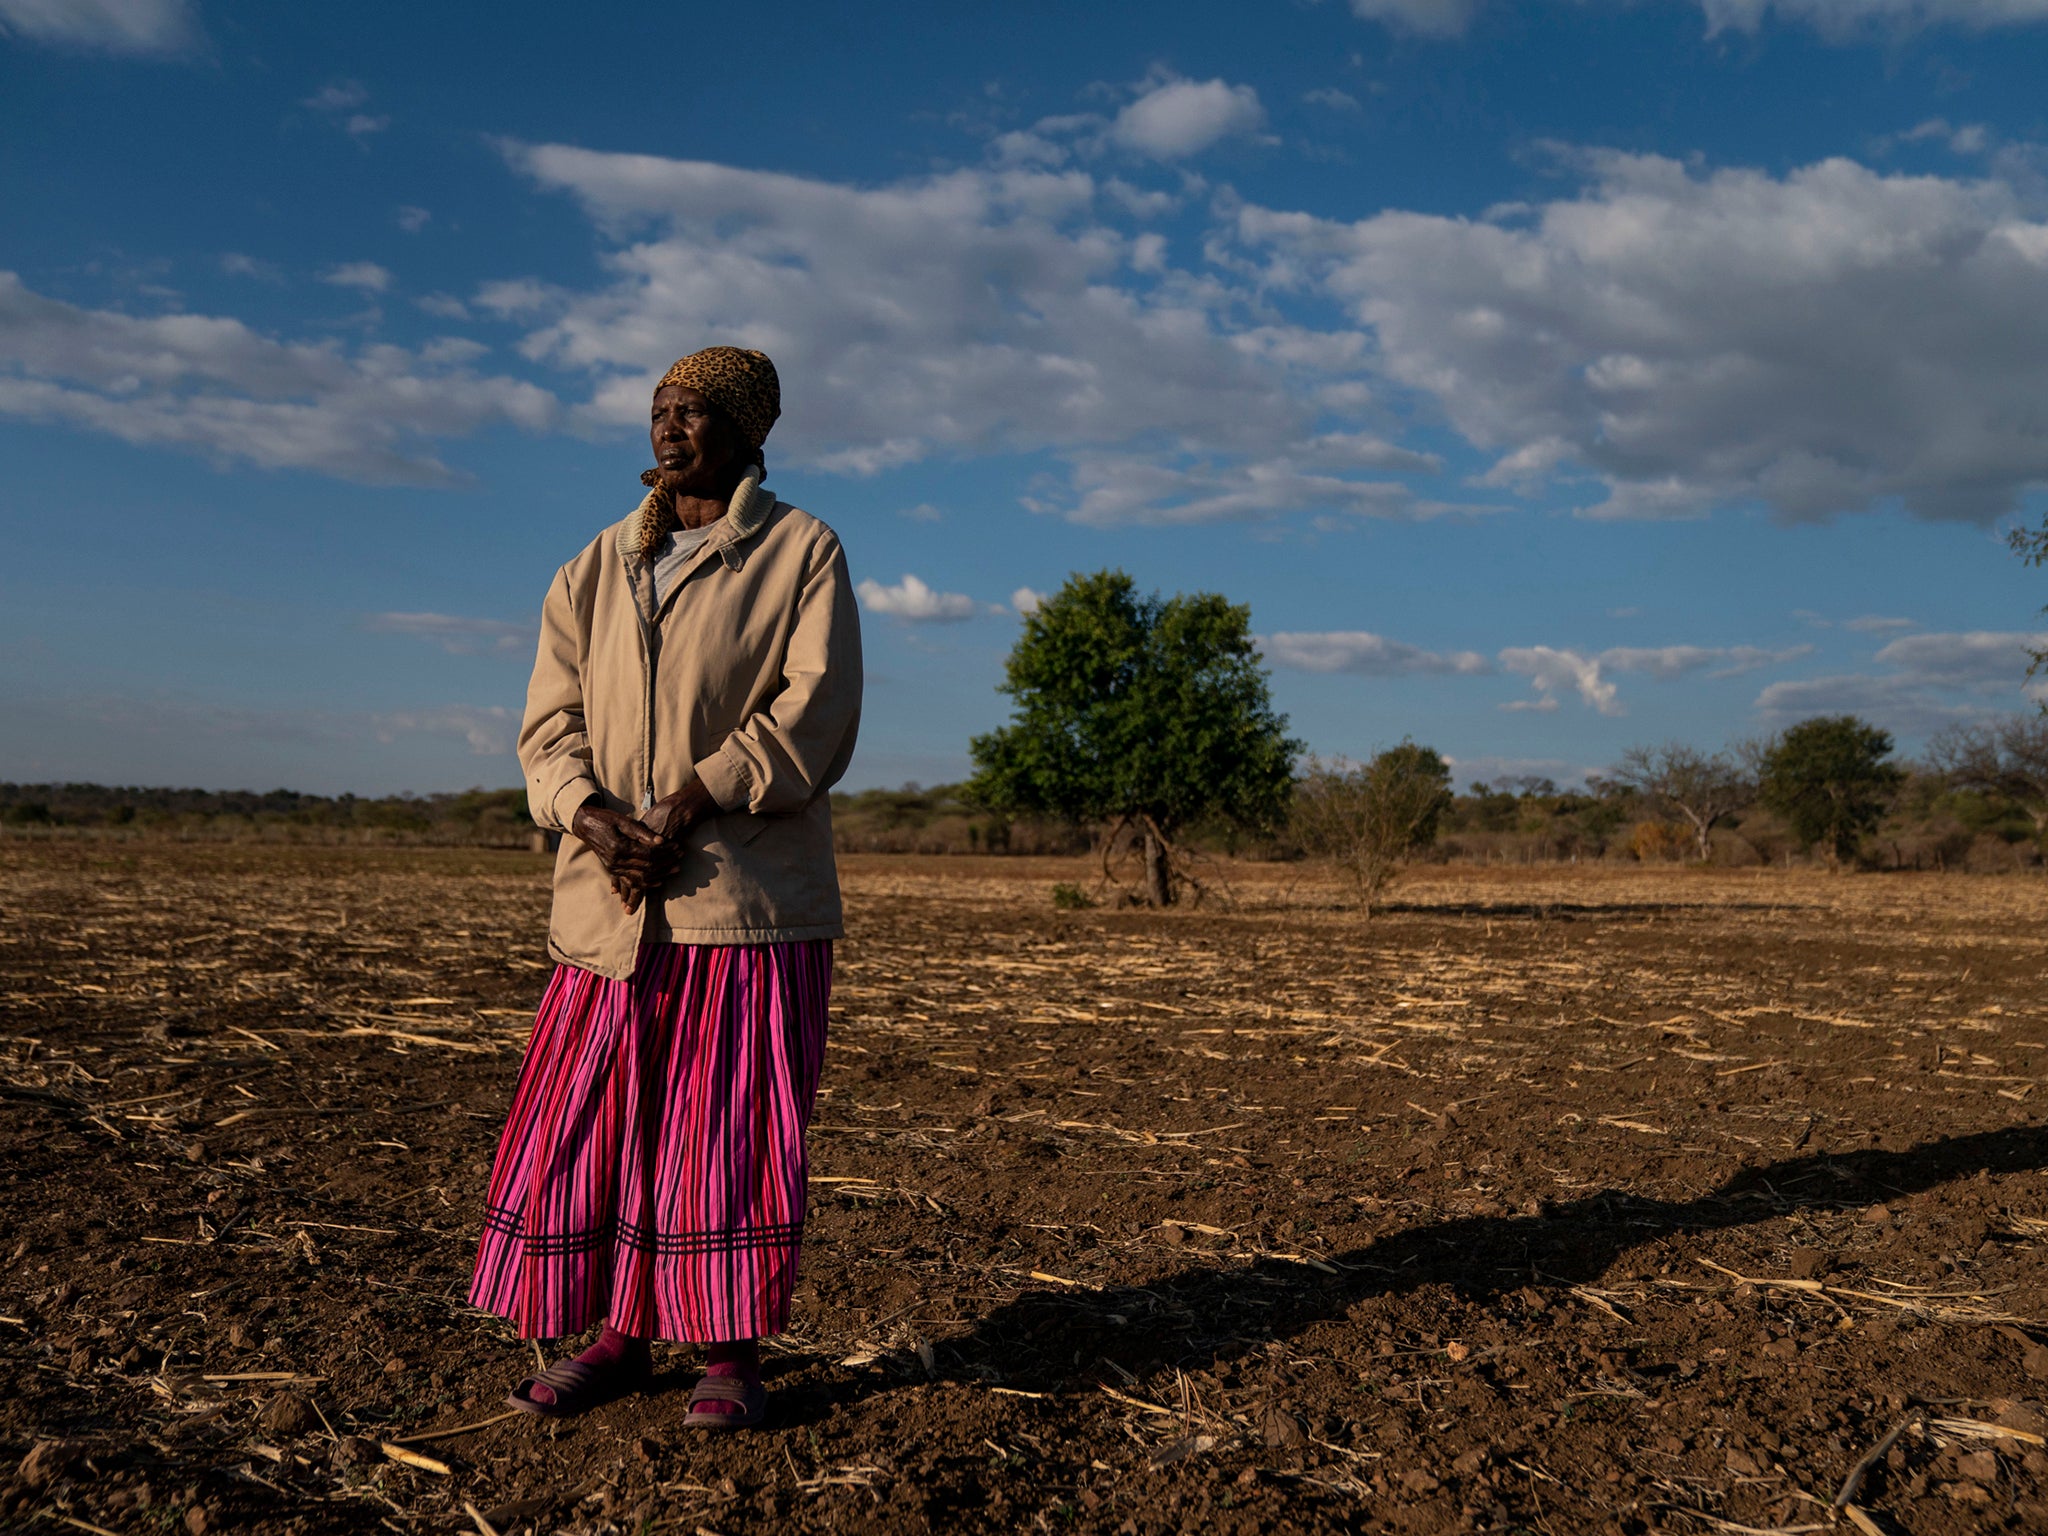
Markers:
<point>1829,779</point>
<point>1139,713</point>
<point>1371,817</point>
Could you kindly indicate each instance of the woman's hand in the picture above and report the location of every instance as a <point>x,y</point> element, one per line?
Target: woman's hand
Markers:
<point>673,815</point>
<point>668,819</point>
<point>632,854</point>
<point>640,854</point>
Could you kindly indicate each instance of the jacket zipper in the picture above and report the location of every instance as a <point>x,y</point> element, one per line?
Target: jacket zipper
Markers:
<point>647,709</point>
<point>647,671</point>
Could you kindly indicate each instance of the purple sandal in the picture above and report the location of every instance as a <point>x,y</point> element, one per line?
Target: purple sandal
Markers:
<point>578,1388</point>
<point>751,1396</point>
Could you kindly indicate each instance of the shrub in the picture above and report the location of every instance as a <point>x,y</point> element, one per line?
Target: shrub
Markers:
<point>1658,842</point>
<point>1372,818</point>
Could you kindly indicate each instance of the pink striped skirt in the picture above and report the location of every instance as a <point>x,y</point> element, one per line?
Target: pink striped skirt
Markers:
<point>652,1172</point>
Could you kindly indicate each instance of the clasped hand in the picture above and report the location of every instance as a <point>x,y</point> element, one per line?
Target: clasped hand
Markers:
<point>639,853</point>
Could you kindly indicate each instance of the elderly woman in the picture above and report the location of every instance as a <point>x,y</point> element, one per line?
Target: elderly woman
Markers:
<point>695,696</point>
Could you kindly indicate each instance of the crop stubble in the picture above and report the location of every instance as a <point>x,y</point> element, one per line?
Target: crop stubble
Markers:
<point>1555,1200</point>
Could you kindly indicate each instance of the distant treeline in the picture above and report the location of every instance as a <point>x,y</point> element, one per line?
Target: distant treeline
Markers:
<point>477,817</point>
<point>1932,823</point>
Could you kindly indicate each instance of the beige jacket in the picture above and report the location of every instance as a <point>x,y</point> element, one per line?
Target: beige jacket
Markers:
<point>749,674</point>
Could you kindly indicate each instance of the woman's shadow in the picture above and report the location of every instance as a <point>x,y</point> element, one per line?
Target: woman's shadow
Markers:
<point>1207,1313</point>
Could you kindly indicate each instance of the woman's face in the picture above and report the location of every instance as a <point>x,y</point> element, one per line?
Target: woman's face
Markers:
<point>695,446</point>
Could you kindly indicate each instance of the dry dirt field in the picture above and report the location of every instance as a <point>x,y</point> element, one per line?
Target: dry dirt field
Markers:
<point>1550,1200</point>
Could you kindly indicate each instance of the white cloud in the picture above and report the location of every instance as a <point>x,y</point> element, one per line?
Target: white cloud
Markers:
<point>1357,650</point>
<point>1877,624</point>
<point>235,264</point>
<point>1555,670</point>
<point>870,458</point>
<point>443,306</point>
<point>1335,100</point>
<point>1892,702</point>
<point>212,385</point>
<point>1960,139</point>
<point>1841,19</point>
<point>365,276</point>
<point>1683,339</point>
<point>1838,20</point>
<point>1027,601</point>
<point>923,512</point>
<point>520,298</point>
<point>165,721</point>
<point>341,101</point>
<point>1694,339</point>
<point>1001,309</point>
<point>1170,489</point>
<point>1173,119</point>
<point>143,27</point>
<point>1668,661</point>
<point>1552,671</point>
<point>1930,681</point>
<point>452,350</point>
<point>338,96</point>
<point>1144,205</point>
<point>1430,18</point>
<point>1363,450</point>
<point>490,730</point>
<point>912,600</point>
<point>1979,658</point>
<point>413,219</point>
<point>174,737</point>
<point>978,310</point>
<point>1026,149</point>
<point>455,635</point>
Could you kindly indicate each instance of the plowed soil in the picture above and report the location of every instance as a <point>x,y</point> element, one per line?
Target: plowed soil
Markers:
<point>1555,1200</point>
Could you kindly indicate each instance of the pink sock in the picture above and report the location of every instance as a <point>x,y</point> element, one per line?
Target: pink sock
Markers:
<point>613,1350</point>
<point>616,1348</point>
<point>736,1357</point>
<point>735,1360</point>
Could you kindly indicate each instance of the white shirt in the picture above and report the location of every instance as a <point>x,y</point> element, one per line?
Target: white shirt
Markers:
<point>668,565</point>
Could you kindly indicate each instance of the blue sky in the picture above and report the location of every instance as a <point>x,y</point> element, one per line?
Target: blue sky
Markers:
<point>1548,377</point>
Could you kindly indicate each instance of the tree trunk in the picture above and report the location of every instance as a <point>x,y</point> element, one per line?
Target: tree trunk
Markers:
<point>1158,876</point>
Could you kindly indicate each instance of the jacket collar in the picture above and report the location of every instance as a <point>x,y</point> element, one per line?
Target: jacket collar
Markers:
<point>744,517</point>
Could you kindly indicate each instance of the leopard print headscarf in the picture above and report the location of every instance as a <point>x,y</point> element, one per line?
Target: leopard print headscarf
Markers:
<point>741,383</point>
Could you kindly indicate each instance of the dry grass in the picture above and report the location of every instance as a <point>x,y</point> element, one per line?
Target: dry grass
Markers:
<point>1554,1199</point>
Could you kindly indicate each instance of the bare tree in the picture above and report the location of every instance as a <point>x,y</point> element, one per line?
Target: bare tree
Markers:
<point>1370,817</point>
<point>2007,757</point>
<point>2031,545</point>
<point>1705,789</point>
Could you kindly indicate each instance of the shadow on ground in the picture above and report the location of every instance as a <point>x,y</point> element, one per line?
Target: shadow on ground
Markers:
<point>1569,911</point>
<point>1205,1314</point>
